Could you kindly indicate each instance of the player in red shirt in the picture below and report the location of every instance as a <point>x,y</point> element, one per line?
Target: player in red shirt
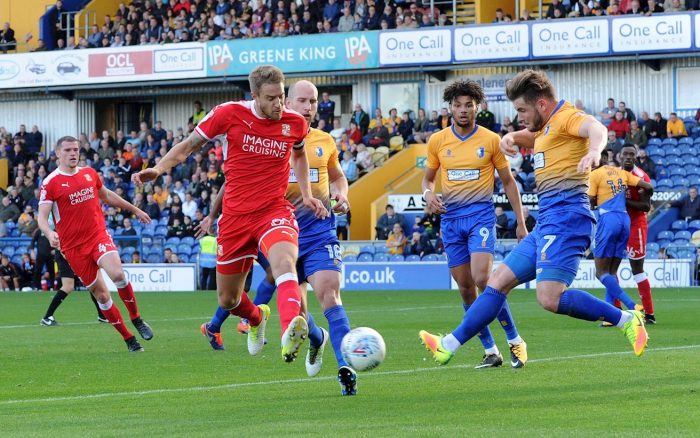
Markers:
<point>259,137</point>
<point>73,195</point>
<point>638,204</point>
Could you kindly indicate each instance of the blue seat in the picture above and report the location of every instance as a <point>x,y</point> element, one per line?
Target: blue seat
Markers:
<point>154,258</point>
<point>498,257</point>
<point>14,233</point>
<point>364,257</point>
<point>664,243</point>
<point>184,258</point>
<point>125,258</point>
<point>671,141</point>
<point>679,225</point>
<point>163,220</point>
<point>691,169</point>
<point>161,231</point>
<point>16,259</point>
<point>694,225</point>
<point>381,249</point>
<point>682,235</point>
<point>442,257</point>
<point>196,248</point>
<point>664,184</point>
<point>686,148</point>
<point>499,247</point>
<point>184,249</point>
<point>652,247</point>
<point>412,258</point>
<point>430,258</point>
<point>395,258</point>
<point>146,240</point>
<point>172,241</point>
<point>696,131</point>
<point>8,251</point>
<point>350,258</point>
<point>663,173</point>
<point>686,140</point>
<point>381,257</point>
<point>677,160</point>
<point>128,250</point>
<point>654,142</point>
<point>367,248</point>
<point>654,149</point>
<point>189,240</point>
<point>689,119</point>
<point>665,235</point>
<point>680,182</point>
<point>677,171</point>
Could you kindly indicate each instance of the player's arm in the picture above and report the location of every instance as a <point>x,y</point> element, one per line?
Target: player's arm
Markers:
<point>301,169</point>
<point>511,189</point>
<point>510,142</point>
<point>593,180</point>
<point>203,228</point>
<point>175,156</point>
<point>597,135</point>
<point>432,165</point>
<point>644,203</point>
<point>110,198</point>
<point>44,211</point>
<point>339,188</point>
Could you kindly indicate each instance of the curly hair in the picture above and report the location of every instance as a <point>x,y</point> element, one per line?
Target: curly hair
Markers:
<point>464,88</point>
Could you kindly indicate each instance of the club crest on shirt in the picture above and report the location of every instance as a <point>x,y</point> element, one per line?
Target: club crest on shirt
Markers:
<point>319,151</point>
<point>88,177</point>
<point>480,152</point>
<point>286,129</point>
<point>449,152</point>
<point>546,130</point>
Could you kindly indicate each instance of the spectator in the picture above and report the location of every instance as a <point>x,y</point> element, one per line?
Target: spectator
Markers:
<point>645,163</point>
<point>405,129</point>
<point>349,167</point>
<point>379,135</point>
<point>33,142</point>
<point>554,6</point>
<point>502,230</point>
<point>418,245</point>
<point>581,107</point>
<point>354,134</point>
<point>421,129</point>
<point>689,205</point>
<point>653,7</point>
<point>26,271</point>
<point>40,47</point>
<point>326,109</point>
<point>675,128</point>
<point>636,136</point>
<point>8,211</point>
<point>619,125</point>
<point>626,112</point>
<point>607,114</point>
<point>337,131</point>
<point>444,120</point>
<point>389,17</point>
<point>518,180</point>
<point>634,8</point>
<point>500,18</point>
<point>9,274</point>
<point>396,241</point>
<point>151,208</point>
<point>485,117</point>
<point>372,20</point>
<point>128,231</point>
<point>207,263</point>
<point>7,38</point>
<point>656,127</point>
<point>426,21</point>
<point>361,118</point>
<point>674,6</point>
<point>614,145</point>
<point>342,226</point>
<point>167,255</point>
<point>387,221</point>
<point>331,13</point>
<point>176,229</point>
<point>418,225</point>
<point>363,159</point>
<point>530,220</point>
<point>136,257</point>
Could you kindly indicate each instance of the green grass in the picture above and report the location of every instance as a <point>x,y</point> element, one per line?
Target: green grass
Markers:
<point>77,379</point>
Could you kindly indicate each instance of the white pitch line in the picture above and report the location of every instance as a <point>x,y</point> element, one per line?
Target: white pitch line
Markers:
<point>317,379</point>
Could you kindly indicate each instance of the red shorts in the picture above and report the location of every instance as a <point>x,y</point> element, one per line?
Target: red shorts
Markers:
<point>241,236</point>
<point>637,243</point>
<point>83,259</point>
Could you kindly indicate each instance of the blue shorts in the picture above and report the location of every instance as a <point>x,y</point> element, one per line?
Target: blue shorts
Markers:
<point>463,236</point>
<point>611,235</point>
<point>553,251</point>
<point>321,252</point>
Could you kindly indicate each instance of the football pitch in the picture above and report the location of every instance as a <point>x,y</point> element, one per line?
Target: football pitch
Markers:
<point>77,379</point>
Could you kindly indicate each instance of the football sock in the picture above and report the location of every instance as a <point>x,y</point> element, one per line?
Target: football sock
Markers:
<point>114,316</point>
<point>315,333</point>
<point>126,293</point>
<point>481,312</point>
<point>263,294</point>
<point>611,285</point>
<point>338,326</point>
<point>626,316</point>
<point>55,302</point>
<point>246,309</point>
<point>451,343</point>
<point>288,298</point>
<point>97,306</point>
<point>218,319</point>
<point>484,335</point>
<point>582,305</point>
<point>644,288</point>
<point>505,318</point>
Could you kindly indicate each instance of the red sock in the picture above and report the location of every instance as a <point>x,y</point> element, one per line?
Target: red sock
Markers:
<point>645,294</point>
<point>246,309</point>
<point>288,300</point>
<point>617,303</point>
<point>126,293</point>
<point>114,317</point>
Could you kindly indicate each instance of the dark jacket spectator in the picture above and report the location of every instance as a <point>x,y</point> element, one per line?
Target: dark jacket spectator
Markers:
<point>689,205</point>
<point>8,211</point>
<point>485,117</point>
<point>556,4</point>
<point>646,164</point>
<point>656,127</point>
<point>530,221</point>
<point>362,118</point>
<point>386,222</point>
<point>502,230</point>
<point>7,39</point>
<point>418,245</point>
<point>373,20</point>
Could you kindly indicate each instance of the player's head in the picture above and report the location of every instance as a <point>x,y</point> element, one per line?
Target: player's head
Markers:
<point>267,87</point>
<point>464,98</point>
<point>628,156</point>
<point>533,96</point>
<point>302,97</point>
<point>67,151</point>
<point>604,157</point>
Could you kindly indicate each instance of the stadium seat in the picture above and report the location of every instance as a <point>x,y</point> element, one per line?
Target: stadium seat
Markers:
<point>694,225</point>
<point>664,243</point>
<point>653,149</point>
<point>498,257</point>
<point>396,258</point>
<point>677,171</point>
<point>671,141</point>
<point>125,258</point>
<point>679,181</point>
<point>163,221</point>
<point>442,257</point>
<point>499,247</point>
<point>652,247</point>
<point>686,140</point>
<point>412,258</point>
<point>14,233</point>
<point>196,248</point>
<point>664,184</point>
<point>430,258</point>
<point>381,249</point>
<point>695,240</point>
<point>16,259</point>
<point>381,257</point>
<point>161,230</point>
<point>8,251</point>
<point>128,250</point>
<point>184,248</point>
<point>364,257</point>
<point>665,235</point>
<point>189,240</point>
<point>172,241</point>
<point>663,173</point>
<point>654,142</point>
<point>154,258</point>
<point>159,240</point>
<point>146,240</point>
<point>677,243</point>
<point>184,258</point>
<point>679,225</point>
<point>350,258</point>
<point>368,249</point>
<point>682,235</point>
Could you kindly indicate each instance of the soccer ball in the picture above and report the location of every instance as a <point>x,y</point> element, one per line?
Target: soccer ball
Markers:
<point>363,348</point>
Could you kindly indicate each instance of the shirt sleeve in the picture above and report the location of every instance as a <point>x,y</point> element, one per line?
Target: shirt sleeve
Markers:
<point>215,123</point>
<point>499,160</point>
<point>433,161</point>
<point>46,195</point>
<point>574,121</point>
<point>632,180</point>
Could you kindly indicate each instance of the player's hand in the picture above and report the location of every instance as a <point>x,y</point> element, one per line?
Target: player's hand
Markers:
<point>317,207</point>
<point>342,205</point>
<point>521,232</point>
<point>508,146</point>
<point>142,216</point>
<point>434,203</point>
<point>590,160</point>
<point>203,228</point>
<point>145,176</point>
<point>54,240</point>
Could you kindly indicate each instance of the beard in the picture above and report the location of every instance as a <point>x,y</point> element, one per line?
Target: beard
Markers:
<point>537,122</point>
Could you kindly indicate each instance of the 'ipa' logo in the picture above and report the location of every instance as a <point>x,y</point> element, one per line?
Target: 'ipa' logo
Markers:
<point>357,49</point>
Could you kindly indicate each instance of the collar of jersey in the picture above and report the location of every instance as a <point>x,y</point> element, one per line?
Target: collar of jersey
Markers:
<point>77,169</point>
<point>452,127</point>
<point>554,111</point>
<point>252,110</point>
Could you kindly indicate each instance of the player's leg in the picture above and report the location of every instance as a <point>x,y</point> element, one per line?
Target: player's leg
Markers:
<point>611,236</point>
<point>266,287</point>
<point>606,272</point>
<point>112,266</point>
<point>636,248</point>
<point>212,329</point>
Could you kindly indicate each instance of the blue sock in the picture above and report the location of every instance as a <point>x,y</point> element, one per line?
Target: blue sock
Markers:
<point>263,294</point>
<point>609,298</point>
<point>505,318</point>
<point>582,305</point>
<point>480,314</point>
<point>315,333</point>
<point>338,326</point>
<point>611,285</point>
<point>484,335</point>
<point>218,319</point>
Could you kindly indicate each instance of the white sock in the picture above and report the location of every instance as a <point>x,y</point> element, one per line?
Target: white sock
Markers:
<point>492,350</point>
<point>626,316</point>
<point>451,343</point>
<point>516,341</point>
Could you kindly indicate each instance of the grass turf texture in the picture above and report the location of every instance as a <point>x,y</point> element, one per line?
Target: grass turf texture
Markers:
<point>77,379</point>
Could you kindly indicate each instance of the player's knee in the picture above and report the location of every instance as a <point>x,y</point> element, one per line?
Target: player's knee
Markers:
<point>118,277</point>
<point>468,293</point>
<point>548,301</point>
<point>480,280</point>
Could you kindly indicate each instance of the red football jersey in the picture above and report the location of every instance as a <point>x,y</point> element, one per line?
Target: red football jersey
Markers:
<point>633,194</point>
<point>76,205</point>
<point>256,153</point>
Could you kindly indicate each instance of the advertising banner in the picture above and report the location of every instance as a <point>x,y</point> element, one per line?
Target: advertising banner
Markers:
<point>181,277</point>
<point>411,47</point>
<point>339,51</point>
<point>657,33</point>
<point>697,30</point>
<point>396,276</point>
<point>570,38</point>
<point>484,43</point>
